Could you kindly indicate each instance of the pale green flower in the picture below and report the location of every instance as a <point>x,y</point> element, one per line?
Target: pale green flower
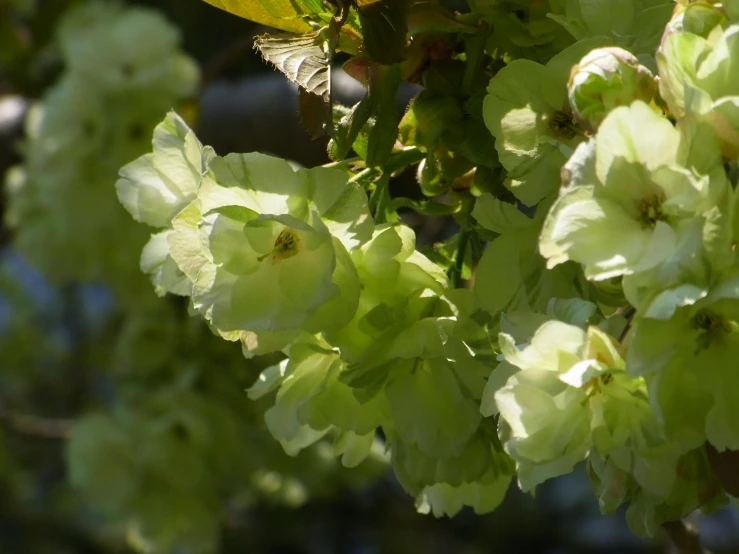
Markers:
<point>121,49</point>
<point>632,24</point>
<point>697,75</point>
<point>527,111</point>
<point>685,343</point>
<point>628,201</point>
<point>156,186</point>
<point>564,397</point>
<point>604,79</point>
<point>266,247</point>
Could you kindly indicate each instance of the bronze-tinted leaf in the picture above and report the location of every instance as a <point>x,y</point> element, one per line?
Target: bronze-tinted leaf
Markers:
<point>304,59</point>
<point>315,111</point>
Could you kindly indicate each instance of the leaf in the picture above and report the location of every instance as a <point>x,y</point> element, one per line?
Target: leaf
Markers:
<point>430,16</point>
<point>427,118</point>
<point>315,113</point>
<point>348,128</point>
<point>304,59</point>
<point>428,207</point>
<point>280,14</point>
<point>498,280</point>
<point>499,217</point>
<point>384,28</point>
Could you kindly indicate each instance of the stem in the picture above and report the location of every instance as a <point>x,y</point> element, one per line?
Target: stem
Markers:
<point>364,174</point>
<point>343,163</point>
<point>455,272</point>
<point>684,537</point>
<point>36,426</point>
<point>628,312</point>
<point>379,199</point>
<point>455,275</point>
<point>398,160</point>
<point>403,158</point>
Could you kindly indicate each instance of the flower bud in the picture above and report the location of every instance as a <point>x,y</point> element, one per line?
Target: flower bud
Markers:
<point>604,79</point>
<point>698,19</point>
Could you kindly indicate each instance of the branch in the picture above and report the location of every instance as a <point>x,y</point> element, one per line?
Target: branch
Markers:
<point>628,312</point>
<point>684,537</point>
<point>36,426</point>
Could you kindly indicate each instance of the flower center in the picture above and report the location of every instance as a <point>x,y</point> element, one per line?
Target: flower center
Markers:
<point>650,210</point>
<point>562,126</point>
<point>287,245</point>
<point>712,328</point>
<point>593,386</point>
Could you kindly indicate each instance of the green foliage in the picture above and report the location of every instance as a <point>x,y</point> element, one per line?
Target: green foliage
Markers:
<point>583,308</point>
<point>641,199</point>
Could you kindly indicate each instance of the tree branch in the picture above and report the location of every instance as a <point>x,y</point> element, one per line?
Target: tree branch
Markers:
<point>36,426</point>
<point>684,537</point>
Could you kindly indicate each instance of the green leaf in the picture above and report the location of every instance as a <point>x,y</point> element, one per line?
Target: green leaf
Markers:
<point>430,16</point>
<point>384,28</point>
<point>444,499</point>
<point>427,118</point>
<point>471,138</point>
<point>430,410</point>
<point>499,278</point>
<point>348,128</point>
<point>499,217</point>
<point>280,14</point>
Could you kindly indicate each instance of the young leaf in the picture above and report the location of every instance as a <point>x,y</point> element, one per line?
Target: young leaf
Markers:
<point>348,128</point>
<point>315,111</point>
<point>304,59</point>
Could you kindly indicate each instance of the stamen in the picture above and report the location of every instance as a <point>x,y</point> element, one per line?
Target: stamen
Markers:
<point>650,210</point>
<point>287,245</point>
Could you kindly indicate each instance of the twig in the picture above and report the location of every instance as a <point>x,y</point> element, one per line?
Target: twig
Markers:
<point>684,537</point>
<point>36,426</point>
<point>628,312</point>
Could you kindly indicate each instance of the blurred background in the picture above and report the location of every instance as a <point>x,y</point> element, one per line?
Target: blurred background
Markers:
<point>106,391</point>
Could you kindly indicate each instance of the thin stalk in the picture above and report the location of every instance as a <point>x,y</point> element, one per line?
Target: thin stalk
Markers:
<point>455,274</point>
<point>343,163</point>
<point>398,160</point>
<point>36,426</point>
<point>364,174</point>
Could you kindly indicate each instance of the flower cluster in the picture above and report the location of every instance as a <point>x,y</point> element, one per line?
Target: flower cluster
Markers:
<point>603,321</point>
<point>290,260</point>
<point>123,71</point>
